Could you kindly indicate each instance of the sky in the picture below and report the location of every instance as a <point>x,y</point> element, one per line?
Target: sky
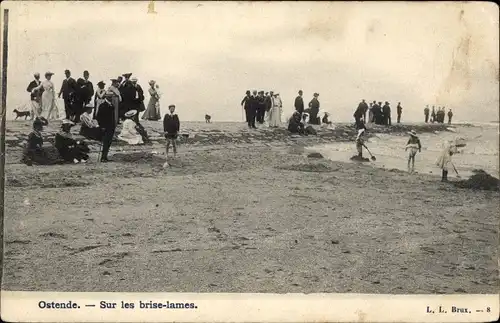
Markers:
<point>205,55</point>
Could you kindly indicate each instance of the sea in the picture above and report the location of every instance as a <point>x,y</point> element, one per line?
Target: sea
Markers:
<point>481,151</point>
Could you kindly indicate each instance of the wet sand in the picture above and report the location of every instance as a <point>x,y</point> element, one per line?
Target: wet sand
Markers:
<point>254,217</point>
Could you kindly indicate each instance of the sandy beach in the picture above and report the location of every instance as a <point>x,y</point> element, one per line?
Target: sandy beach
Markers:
<point>243,211</point>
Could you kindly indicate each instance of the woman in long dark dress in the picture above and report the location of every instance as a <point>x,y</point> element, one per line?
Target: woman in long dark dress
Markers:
<point>34,152</point>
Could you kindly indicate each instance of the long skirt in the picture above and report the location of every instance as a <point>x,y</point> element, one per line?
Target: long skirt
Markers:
<point>153,111</point>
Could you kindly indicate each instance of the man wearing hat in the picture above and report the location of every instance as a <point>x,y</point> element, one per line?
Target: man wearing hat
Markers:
<point>106,117</point>
<point>84,94</point>
<point>314,109</point>
<point>68,91</point>
<point>138,102</point>
<point>246,103</point>
<point>128,93</point>
<point>386,110</point>
<point>261,107</point>
<point>299,103</point>
<point>35,91</point>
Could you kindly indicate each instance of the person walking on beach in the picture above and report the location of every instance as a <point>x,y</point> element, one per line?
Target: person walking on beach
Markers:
<point>152,112</point>
<point>450,115</point>
<point>299,103</point>
<point>414,146</point>
<point>35,96</point>
<point>171,126</point>
<point>426,113</point>
<point>68,91</point>
<point>399,111</point>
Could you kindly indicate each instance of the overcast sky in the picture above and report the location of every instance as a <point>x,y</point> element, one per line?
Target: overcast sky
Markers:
<point>206,55</point>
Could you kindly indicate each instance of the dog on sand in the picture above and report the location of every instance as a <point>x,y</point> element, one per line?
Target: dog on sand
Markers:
<point>20,114</point>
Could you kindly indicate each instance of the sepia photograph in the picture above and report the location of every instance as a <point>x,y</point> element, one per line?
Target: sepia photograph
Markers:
<point>251,147</point>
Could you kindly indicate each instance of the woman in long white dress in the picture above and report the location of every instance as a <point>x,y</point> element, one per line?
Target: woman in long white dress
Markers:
<point>275,112</point>
<point>49,108</point>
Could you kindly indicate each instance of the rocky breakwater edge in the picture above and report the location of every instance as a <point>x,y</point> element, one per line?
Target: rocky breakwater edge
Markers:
<point>201,136</point>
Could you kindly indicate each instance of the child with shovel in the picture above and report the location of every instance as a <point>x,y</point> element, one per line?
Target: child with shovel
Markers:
<point>444,160</point>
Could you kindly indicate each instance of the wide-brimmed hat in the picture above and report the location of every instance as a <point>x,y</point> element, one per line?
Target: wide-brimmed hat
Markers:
<point>152,82</point>
<point>49,73</point>
<point>130,113</point>
<point>68,122</point>
<point>127,75</point>
<point>412,133</point>
<point>171,106</point>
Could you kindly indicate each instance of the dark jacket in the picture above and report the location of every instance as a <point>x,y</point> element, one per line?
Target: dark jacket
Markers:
<point>139,101</point>
<point>171,124</point>
<point>85,90</point>
<point>68,88</point>
<point>33,84</point>
<point>106,116</point>
<point>314,104</point>
<point>299,104</point>
<point>399,109</point>
<point>246,102</point>
<point>268,102</point>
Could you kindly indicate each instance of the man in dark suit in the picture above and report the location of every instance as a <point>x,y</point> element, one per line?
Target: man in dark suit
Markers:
<point>84,94</point>
<point>35,96</point>
<point>106,119</point>
<point>386,110</point>
<point>261,109</point>
<point>299,103</point>
<point>254,107</point>
<point>314,109</point>
<point>68,91</point>
<point>128,93</point>
<point>245,103</point>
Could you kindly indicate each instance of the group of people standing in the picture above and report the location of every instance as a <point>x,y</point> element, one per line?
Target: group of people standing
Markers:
<point>437,115</point>
<point>125,94</point>
<point>262,107</point>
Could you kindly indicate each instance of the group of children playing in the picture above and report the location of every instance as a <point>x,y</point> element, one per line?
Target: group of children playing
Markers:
<point>414,146</point>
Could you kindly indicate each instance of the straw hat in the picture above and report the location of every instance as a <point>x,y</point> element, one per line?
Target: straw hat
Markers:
<point>130,113</point>
<point>412,133</point>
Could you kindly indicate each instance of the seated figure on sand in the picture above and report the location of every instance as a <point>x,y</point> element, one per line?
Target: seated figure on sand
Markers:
<point>70,149</point>
<point>414,146</point>
<point>295,124</point>
<point>34,152</point>
<point>129,132</point>
<point>90,127</point>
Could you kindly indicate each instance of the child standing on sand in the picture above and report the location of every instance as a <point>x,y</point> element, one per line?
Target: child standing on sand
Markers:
<point>171,126</point>
<point>414,146</point>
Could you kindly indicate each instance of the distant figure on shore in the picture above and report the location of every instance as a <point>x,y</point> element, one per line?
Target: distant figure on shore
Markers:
<point>450,115</point>
<point>399,111</point>
<point>99,97</point>
<point>49,108</point>
<point>299,103</point>
<point>129,133</point>
<point>35,91</point>
<point>440,115</point>
<point>153,110</point>
<point>426,113</point>
<point>171,127</point>
<point>275,113</point>
<point>34,152</point>
<point>370,113</point>
<point>377,113</point>
<point>386,110</point>
<point>71,150</point>
<point>208,118</point>
<point>433,115</point>
<point>295,125</point>
<point>107,117</point>
<point>314,109</point>
<point>414,146</point>
<point>261,107</point>
<point>268,101</point>
<point>325,119</point>
<point>68,91</point>
<point>246,105</point>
